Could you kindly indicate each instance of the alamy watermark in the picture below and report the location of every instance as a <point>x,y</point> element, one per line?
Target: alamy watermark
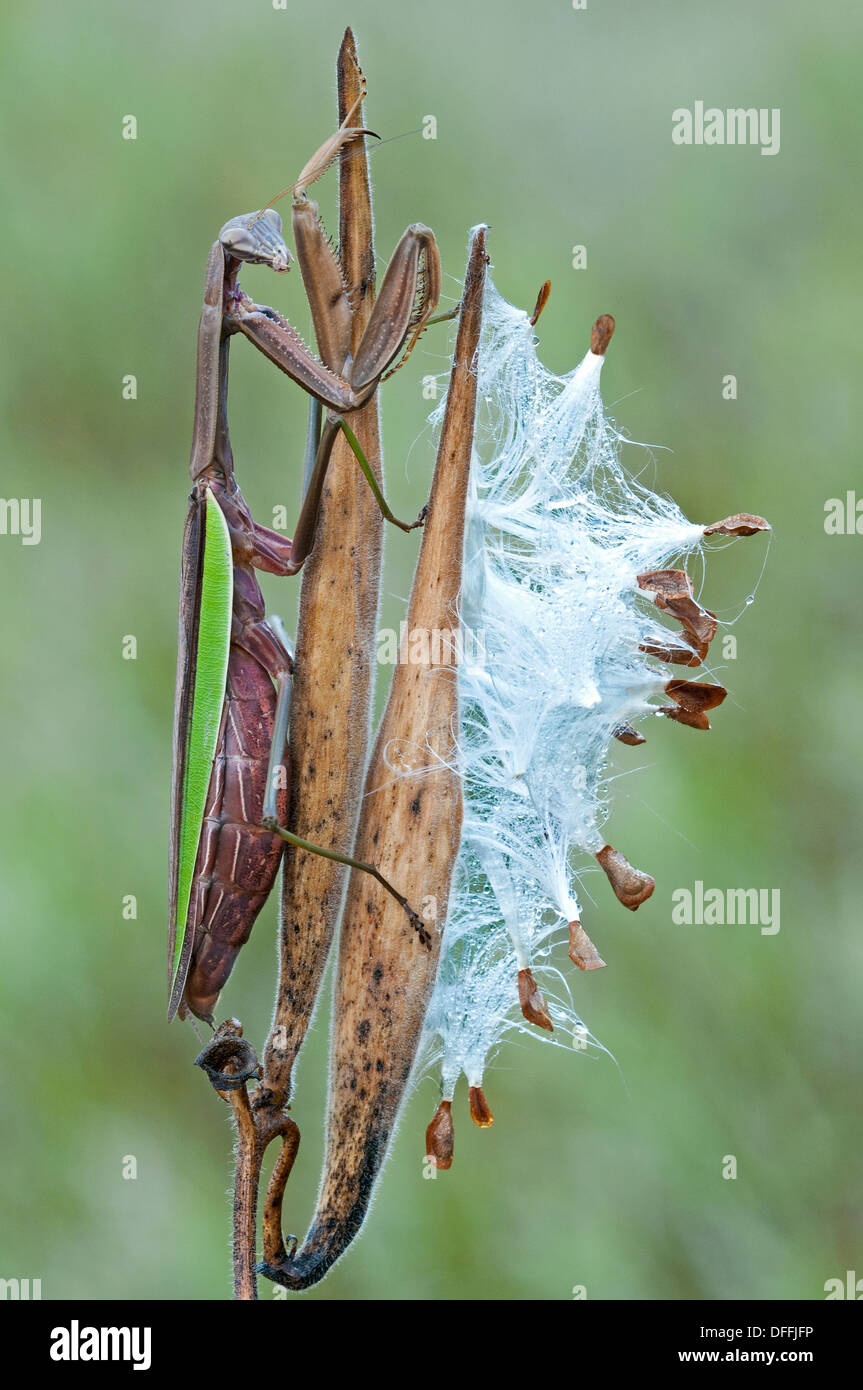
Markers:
<point>710,907</point>
<point>843,516</point>
<point>77,1343</point>
<point>848,1288</point>
<point>422,646</point>
<point>21,516</point>
<point>736,125</point>
<point>20,1290</point>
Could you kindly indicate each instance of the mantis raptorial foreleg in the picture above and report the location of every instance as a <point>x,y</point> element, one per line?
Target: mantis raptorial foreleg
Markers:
<point>409,292</point>
<point>408,295</point>
<point>335,381</point>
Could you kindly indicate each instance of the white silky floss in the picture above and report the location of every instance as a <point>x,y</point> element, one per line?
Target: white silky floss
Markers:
<point>556,535</point>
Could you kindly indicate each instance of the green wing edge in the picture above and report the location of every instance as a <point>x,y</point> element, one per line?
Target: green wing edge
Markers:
<point>208,697</point>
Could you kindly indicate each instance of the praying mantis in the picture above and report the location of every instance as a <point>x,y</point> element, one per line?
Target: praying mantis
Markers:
<point>229,777</point>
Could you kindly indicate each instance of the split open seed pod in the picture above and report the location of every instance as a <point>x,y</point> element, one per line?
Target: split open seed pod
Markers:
<point>410,827</point>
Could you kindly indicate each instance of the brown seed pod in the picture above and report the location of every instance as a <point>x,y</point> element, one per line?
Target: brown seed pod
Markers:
<point>532,1001</point>
<point>582,951</point>
<point>631,886</point>
<point>335,667</point>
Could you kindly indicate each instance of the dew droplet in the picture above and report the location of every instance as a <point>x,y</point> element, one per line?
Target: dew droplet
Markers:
<point>750,598</point>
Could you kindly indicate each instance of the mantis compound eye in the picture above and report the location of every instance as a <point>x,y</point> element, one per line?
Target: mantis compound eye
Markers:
<point>256,237</point>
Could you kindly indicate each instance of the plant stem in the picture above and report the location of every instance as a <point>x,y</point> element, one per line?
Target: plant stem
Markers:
<point>246,1175</point>
<point>256,1129</point>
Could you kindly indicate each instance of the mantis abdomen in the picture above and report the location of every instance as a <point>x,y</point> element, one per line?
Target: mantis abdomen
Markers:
<point>237,859</point>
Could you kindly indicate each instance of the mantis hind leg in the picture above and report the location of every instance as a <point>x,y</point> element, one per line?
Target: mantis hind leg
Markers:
<point>304,535</point>
<point>368,474</point>
<point>299,843</point>
<point>267,642</point>
<point>275,773</point>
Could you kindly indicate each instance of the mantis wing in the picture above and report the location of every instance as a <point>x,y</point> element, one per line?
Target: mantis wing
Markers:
<point>206,599</point>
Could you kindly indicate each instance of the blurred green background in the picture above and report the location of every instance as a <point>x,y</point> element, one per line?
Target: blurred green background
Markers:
<point>554,126</point>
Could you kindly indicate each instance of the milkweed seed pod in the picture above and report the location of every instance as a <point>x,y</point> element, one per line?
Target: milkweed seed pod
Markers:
<point>568,588</point>
<point>333,681</point>
<point>410,828</point>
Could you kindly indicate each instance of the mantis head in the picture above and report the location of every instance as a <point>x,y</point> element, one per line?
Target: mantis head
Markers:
<point>256,237</point>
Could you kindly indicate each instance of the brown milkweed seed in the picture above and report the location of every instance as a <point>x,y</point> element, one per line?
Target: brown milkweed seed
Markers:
<point>479,1108</point>
<point>740,524</point>
<point>631,886</point>
<point>675,656</point>
<point>693,718</point>
<point>541,301</point>
<point>533,1005</point>
<point>582,951</point>
<point>600,335</point>
<point>672,593</point>
<point>670,583</point>
<point>696,695</point>
<point>440,1136</point>
<point>699,624</point>
<point>626,734</point>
